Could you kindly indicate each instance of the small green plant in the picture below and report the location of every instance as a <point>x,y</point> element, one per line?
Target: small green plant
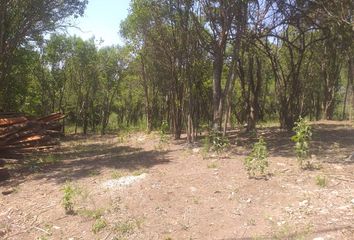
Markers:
<point>163,132</point>
<point>321,181</point>
<point>302,139</point>
<point>138,172</point>
<point>94,173</point>
<point>212,165</point>
<point>117,174</point>
<point>68,198</point>
<point>257,162</point>
<point>217,141</point>
<point>125,227</point>
<point>94,214</point>
<point>99,224</point>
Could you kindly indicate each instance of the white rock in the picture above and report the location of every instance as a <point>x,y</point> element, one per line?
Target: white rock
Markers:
<point>123,181</point>
<point>343,207</point>
<point>196,150</point>
<point>141,139</point>
<point>281,223</point>
<point>319,238</point>
<point>193,189</point>
<point>352,201</point>
<point>303,203</point>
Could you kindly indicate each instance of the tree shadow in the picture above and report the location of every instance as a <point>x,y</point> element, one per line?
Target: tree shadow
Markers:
<point>297,234</point>
<point>331,143</point>
<point>84,160</point>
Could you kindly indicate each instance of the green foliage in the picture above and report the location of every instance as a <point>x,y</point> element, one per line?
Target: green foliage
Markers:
<point>98,225</point>
<point>321,181</point>
<point>302,139</point>
<point>257,163</point>
<point>216,141</point>
<point>164,129</point>
<point>94,214</point>
<point>68,198</point>
<point>212,165</point>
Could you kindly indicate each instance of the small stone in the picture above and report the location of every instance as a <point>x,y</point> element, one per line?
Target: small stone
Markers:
<point>248,200</point>
<point>196,150</point>
<point>319,238</point>
<point>8,191</point>
<point>324,211</point>
<point>303,203</point>
<point>343,207</point>
<point>193,189</point>
<point>281,223</point>
<point>352,201</point>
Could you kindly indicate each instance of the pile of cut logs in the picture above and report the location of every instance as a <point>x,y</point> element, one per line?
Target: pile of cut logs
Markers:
<point>25,133</point>
<point>20,134</point>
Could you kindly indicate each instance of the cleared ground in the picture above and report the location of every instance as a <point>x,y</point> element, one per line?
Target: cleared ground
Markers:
<point>184,193</point>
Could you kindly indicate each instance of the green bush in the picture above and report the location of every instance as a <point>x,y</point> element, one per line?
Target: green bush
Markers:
<point>217,141</point>
<point>68,198</point>
<point>321,181</point>
<point>257,162</point>
<point>164,130</point>
<point>302,139</point>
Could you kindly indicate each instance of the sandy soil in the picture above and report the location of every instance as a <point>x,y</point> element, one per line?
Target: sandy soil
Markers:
<point>185,193</point>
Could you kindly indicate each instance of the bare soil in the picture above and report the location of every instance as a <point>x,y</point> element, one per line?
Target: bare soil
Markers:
<point>187,193</point>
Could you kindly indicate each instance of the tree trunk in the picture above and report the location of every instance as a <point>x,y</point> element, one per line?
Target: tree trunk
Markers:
<point>217,94</point>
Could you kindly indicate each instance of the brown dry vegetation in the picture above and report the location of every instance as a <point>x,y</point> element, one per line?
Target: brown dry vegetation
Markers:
<point>187,194</point>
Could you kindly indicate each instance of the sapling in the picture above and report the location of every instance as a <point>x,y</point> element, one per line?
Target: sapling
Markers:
<point>257,162</point>
<point>302,139</point>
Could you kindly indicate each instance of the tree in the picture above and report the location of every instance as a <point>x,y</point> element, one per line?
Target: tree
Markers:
<point>24,21</point>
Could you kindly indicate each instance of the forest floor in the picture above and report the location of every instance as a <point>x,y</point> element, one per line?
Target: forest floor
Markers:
<point>179,192</point>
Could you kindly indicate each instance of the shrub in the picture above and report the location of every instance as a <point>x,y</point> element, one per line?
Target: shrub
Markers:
<point>164,130</point>
<point>99,224</point>
<point>257,163</point>
<point>321,181</point>
<point>302,139</point>
<point>217,141</point>
<point>68,198</point>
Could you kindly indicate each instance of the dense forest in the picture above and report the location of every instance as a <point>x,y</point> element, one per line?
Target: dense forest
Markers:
<point>189,64</point>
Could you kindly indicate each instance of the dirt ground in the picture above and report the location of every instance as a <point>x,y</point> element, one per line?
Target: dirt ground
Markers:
<point>186,193</point>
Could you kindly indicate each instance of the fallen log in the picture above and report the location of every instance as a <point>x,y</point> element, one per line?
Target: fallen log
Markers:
<point>4,122</point>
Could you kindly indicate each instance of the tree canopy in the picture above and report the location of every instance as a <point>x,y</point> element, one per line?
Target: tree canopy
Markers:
<point>189,64</point>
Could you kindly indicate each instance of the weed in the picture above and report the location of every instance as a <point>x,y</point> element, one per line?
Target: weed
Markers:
<point>117,174</point>
<point>164,129</point>
<point>257,163</point>
<point>138,172</point>
<point>94,173</point>
<point>42,238</point>
<point>218,141</point>
<point>68,198</point>
<point>94,214</point>
<point>99,224</point>
<point>212,165</point>
<point>206,144</point>
<point>251,222</point>
<point>286,230</point>
<point>125,227</point>
<point>321,181</point>
<point>302,139</point>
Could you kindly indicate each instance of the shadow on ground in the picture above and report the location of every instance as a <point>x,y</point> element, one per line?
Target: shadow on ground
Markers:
<point>74,162</point>
<point>298,235</point>
<point>330,143</point>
